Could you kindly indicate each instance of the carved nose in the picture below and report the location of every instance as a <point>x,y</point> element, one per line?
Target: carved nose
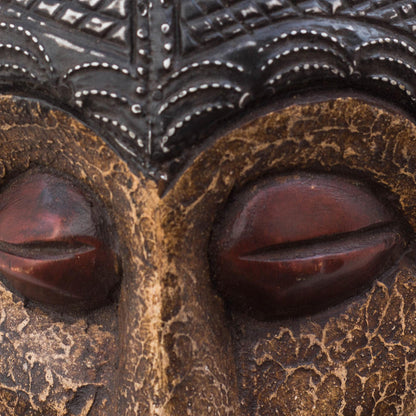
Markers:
<point>175,347</point>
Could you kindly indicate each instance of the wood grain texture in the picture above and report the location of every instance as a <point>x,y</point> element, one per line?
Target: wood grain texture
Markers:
<point>169,346</point>
<point>353,358</point>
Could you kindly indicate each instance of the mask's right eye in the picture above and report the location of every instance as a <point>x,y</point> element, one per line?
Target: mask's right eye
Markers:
<point>55,245</point>
<point>298,243</point>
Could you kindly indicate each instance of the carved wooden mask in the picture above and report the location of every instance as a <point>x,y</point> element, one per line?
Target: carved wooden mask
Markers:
<point>207,207</point>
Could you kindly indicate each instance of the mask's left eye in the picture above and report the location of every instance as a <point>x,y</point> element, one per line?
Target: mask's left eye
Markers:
<point>298,243</point>
<point>55,246</point>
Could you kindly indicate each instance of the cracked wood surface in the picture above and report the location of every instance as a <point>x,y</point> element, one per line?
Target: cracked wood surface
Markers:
<point>169,346</point>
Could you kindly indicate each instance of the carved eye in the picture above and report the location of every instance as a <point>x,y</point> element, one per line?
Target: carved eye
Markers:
<point>54,243</point>
<point>299,243</point>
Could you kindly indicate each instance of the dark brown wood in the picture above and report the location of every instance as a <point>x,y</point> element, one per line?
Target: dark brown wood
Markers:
<point>169,85</point>
<point>54,247</point>
<point>298,243</point>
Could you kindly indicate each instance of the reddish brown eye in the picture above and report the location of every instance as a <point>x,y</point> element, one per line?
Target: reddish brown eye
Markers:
<point>54,243</point>
<point>299,243</point>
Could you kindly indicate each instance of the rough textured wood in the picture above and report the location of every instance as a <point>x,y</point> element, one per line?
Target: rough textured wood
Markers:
<point>61,363</point>
<point>355,358</point>
<point>168,346</point>
<point>161,81</point>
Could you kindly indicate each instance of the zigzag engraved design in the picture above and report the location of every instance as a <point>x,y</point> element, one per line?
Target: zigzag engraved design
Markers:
<point>101,19</point>
<point>285,43</point>
<point>212,21</point>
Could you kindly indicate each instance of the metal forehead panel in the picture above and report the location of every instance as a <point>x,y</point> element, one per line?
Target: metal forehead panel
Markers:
<point>148,74</point>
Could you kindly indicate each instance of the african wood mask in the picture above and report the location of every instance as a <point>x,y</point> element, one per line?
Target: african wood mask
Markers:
<point>207,208</point>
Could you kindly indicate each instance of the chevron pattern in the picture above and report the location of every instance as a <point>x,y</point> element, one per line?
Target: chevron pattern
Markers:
<point>210,22</point>
<point>147,74</point>
<point>107,19</point>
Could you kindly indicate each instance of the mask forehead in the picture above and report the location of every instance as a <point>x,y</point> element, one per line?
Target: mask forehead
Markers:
<point>148,75</point>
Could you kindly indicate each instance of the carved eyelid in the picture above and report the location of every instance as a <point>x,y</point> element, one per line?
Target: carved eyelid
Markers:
<point>285,241</point>
<point>54,245</point>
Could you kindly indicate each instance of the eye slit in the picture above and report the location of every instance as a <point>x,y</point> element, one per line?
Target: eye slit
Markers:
<point>298,243</point>
<point>55,244</point>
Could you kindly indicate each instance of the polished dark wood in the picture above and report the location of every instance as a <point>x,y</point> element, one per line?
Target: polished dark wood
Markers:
<point>298,243</point>
<point>54,245</point>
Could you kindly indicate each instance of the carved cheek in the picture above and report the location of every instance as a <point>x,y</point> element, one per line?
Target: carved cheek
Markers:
<point>298,243</point>
<point>54,245</point>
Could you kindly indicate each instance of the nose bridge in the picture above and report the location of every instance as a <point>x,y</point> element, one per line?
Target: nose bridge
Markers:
<point>140,377</point>
<point>199,366</point>
<point>139,384</point>
<point>175,350</point>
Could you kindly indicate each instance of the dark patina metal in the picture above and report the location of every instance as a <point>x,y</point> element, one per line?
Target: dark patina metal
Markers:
<point>148,75</point>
